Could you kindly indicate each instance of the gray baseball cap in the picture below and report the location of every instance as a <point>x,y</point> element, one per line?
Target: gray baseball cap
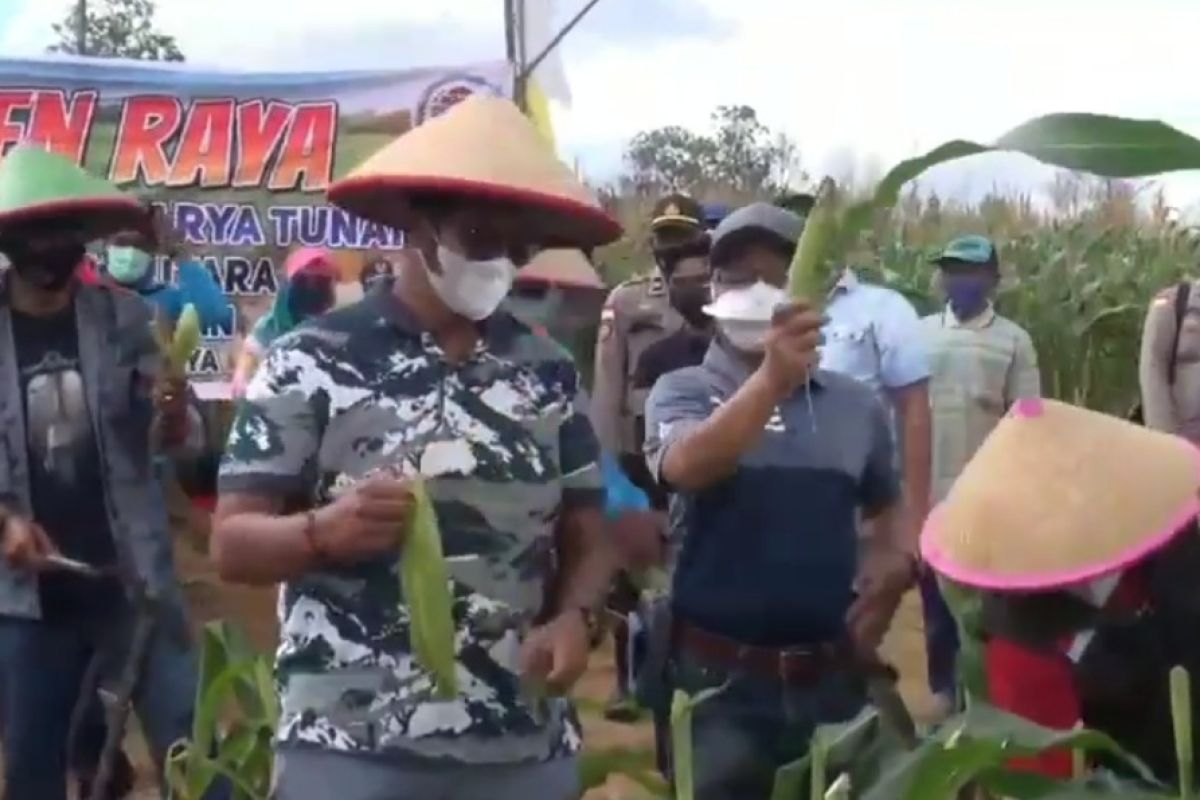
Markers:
<point>756,218</point>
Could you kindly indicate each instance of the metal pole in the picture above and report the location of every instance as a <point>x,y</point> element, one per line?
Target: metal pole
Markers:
<point>521,78</point>
<point>530,66</point>
<point>512,48</point>
<point>81,27</point>
<point>510,32</point>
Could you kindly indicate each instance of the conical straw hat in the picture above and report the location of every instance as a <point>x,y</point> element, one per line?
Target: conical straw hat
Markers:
<point>38,185</point>
<point>483,147</point>
<point>561,267</point>
<point>1058,495</point>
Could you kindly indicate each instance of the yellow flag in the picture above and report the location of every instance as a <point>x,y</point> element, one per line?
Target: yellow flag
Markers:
<point>539,111</point>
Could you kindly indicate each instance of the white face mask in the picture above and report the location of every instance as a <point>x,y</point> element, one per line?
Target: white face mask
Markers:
<point>744,314</point>
<point>471,288</point>
<point>745,335</point>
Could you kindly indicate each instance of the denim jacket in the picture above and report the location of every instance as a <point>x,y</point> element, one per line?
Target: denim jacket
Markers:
<point>119,362</point>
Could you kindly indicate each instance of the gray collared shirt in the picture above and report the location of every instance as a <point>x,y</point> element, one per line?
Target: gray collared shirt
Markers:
<point>768,555</point>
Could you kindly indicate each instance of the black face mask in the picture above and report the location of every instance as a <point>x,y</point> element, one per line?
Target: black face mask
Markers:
<point>48,268</point>
<point>690,301</point>
<point>307,298</point>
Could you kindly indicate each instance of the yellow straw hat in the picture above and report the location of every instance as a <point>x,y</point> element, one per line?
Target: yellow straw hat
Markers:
<point>1059,495</point>
<point>483,147</point>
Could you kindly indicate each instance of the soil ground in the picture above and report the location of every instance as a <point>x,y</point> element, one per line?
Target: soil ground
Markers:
<point>254,611</point>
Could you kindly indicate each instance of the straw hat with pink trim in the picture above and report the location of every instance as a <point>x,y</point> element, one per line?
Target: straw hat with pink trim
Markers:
<point>483,148</point>
<point>1060,495</point>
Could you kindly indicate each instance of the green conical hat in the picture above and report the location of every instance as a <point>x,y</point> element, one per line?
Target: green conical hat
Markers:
<point>37,185</point>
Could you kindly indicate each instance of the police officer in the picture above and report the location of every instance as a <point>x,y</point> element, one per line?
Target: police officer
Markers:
<point>638,313</point>
<point>685,268</point>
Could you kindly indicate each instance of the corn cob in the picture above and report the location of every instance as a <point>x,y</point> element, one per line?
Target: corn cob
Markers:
<point>425,584</point>
<point>810,271</point>
<point>185,339</point>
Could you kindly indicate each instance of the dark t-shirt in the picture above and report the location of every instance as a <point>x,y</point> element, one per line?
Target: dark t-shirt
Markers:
<point>684,348</point>
<point>64,464</point>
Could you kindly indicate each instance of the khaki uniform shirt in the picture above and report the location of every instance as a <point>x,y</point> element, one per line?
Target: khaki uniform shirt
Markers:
<point>635,316</point>
<point>1173,409</point>
<point>979,368</point>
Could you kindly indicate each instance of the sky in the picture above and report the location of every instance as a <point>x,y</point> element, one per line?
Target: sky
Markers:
<point>858,84</point>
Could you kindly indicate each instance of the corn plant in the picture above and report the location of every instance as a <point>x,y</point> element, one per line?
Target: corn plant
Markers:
<point>233,725</point>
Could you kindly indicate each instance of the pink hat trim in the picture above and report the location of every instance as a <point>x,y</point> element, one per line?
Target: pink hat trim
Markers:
<point>1048,580</point>
<point>316,259</point>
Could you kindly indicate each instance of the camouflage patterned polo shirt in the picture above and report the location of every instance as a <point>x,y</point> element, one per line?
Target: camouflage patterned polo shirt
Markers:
<point>505,447</point>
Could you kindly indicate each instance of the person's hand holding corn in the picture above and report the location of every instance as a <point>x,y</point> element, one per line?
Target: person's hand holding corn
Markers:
<point>369,520</point>
<point>790,348</point>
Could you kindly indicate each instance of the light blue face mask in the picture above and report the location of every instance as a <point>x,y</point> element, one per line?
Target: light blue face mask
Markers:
<point>127,265</point>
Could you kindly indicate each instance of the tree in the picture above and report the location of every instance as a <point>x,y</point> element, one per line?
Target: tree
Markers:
<point>740,154</point>
<point>117,29</point>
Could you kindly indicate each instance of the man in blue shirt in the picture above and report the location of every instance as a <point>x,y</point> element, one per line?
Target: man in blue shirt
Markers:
<point>873,334</point>
<point>771,461</point>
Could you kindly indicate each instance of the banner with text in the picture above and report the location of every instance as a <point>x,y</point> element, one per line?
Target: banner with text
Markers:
<point>239,161</point>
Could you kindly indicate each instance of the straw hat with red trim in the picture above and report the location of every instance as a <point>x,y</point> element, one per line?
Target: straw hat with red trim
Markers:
<point>485,148</point>
<point>561,267</point>
<point>1060,495</point>
<point>37,186</point>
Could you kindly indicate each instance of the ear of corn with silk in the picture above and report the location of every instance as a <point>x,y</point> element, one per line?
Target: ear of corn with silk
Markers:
<point>425,582</point>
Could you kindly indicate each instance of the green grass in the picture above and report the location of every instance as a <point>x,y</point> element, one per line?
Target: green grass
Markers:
<point>637,764</point>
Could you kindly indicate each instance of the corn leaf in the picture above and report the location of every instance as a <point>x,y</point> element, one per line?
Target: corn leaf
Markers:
<point>843,744</point>
<point>1181,718</point>
<point>978,744</point>
<point>682,708</point>
<point>425,584</point>
<point>1107,146</point>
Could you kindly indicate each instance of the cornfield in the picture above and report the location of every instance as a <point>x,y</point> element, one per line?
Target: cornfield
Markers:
<point>1078,282</point>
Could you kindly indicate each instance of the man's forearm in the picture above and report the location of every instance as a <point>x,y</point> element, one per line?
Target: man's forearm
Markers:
<point>712,451</point>
<point>586,560</point>
<point>917,426</point>
<point>890,530</point>
<point>259,548</point>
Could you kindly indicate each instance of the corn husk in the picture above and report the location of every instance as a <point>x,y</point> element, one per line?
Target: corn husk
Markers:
<point>185,340</point>
<point>811,270</point>
<point>425,583</point>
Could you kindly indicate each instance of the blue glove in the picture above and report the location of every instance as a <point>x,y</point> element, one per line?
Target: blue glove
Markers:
<point>621,495</point>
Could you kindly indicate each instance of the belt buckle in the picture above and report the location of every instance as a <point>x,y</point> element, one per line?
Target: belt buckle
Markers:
<point>794,661</point>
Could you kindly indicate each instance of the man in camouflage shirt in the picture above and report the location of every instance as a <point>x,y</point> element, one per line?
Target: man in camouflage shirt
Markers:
<point>423,376</point>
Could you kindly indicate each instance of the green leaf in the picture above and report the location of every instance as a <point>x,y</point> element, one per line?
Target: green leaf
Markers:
<point>682,708</point>
<point>1113,147</point>
<point>977,743</point>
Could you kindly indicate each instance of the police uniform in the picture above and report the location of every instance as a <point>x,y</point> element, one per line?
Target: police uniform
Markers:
<point>636,314</point>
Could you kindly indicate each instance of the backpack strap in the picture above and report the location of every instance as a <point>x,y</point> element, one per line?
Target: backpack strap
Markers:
<point>1182,296</point>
